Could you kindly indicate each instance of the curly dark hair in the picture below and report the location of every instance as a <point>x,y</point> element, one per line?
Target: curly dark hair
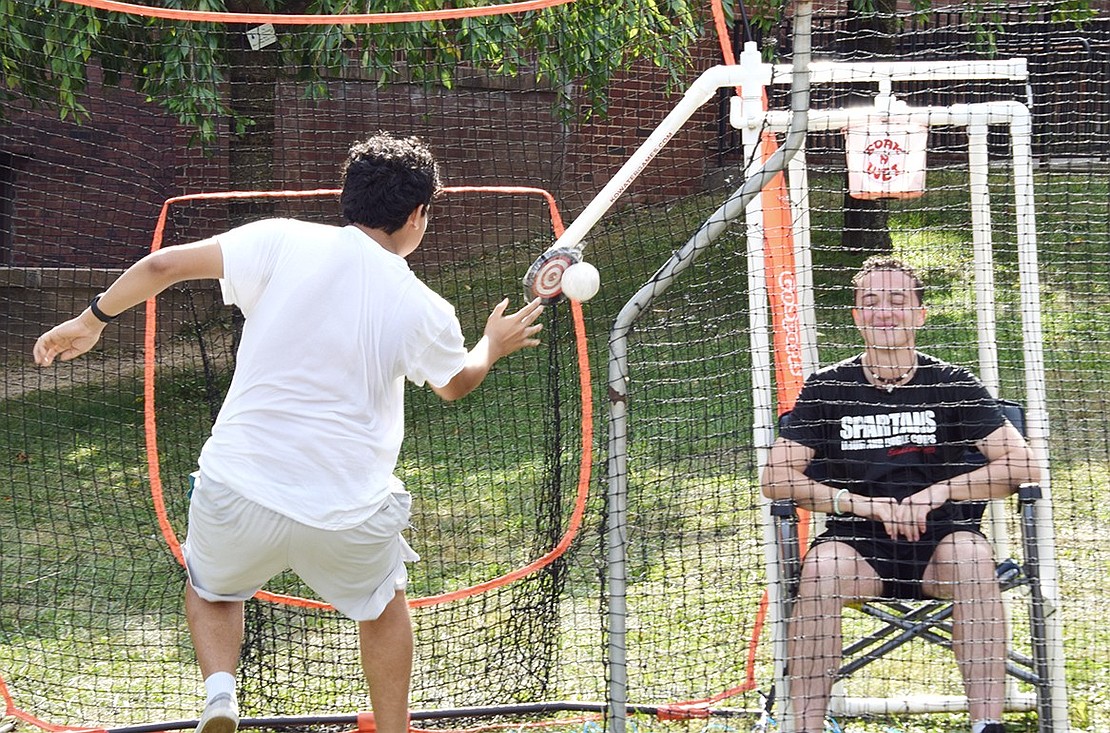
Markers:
<point>385,178</point>
<point>884,262</point>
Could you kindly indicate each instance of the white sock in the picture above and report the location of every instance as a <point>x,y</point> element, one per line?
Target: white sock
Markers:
<point>218,682</point>
<point>979,725</point>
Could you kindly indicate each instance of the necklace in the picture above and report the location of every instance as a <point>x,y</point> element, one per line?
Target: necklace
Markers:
<point>888,383</point>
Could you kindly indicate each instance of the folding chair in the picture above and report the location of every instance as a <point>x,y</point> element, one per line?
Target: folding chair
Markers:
<point>905,620</point>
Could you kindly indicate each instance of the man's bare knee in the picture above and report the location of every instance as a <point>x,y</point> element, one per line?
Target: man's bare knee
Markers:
<point>834,570</point>
<point>962,561</point>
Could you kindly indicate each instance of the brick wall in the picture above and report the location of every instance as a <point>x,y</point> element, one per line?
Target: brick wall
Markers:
<point>81,200</point>
<point>33,299</point>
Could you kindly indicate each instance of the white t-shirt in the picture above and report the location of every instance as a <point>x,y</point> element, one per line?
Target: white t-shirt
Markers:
<point>314,418</point>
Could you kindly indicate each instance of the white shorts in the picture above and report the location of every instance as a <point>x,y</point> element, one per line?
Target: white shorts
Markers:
<point>234,547</point>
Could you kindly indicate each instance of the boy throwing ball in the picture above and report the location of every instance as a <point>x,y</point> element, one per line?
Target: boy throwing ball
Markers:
<point>298,470</point>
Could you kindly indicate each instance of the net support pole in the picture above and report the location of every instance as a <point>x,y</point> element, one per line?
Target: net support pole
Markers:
<point>985,301</point>
<point>1053,711</point>
<point>982,235</point>
<point>700,92</point>
<point>618,373</point>
<point>761,343</point>
<point>761,346</point>
<point>982,258</point>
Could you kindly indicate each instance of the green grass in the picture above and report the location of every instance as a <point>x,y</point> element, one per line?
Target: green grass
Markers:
<point>90,603</point>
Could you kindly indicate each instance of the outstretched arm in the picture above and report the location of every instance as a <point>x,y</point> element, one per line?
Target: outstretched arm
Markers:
<point>504,335</point>
<point>143,280</point>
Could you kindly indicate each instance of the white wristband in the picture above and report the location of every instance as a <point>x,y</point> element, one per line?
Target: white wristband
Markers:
<point>836,501</point>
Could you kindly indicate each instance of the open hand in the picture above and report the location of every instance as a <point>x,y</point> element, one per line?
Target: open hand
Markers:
<point>68,340</point>
<point>510,333</point>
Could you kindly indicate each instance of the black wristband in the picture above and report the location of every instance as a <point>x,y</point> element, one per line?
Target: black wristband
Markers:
<point>99,314</point>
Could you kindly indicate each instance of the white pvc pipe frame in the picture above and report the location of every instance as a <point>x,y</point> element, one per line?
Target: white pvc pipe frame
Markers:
<point>976,118</point>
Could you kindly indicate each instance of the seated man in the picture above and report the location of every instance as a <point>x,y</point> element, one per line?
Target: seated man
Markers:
<point>892,428</point>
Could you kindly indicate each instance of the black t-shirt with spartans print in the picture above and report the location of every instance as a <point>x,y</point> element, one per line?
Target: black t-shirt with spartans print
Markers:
<point>893,443</point>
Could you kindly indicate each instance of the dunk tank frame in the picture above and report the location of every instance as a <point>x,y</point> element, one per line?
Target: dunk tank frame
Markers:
<point>789,350</point>
<point>792,341</point>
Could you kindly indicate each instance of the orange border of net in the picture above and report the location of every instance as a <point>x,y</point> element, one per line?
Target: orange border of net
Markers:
<point>411,16</point>
<point>18,714</point>
<point>151,434</point>
<point>585,464</point>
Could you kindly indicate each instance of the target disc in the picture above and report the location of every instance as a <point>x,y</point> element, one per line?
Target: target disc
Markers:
<point>544,277</point>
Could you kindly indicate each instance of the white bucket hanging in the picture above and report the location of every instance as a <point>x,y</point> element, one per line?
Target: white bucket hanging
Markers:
<point>886,160</point>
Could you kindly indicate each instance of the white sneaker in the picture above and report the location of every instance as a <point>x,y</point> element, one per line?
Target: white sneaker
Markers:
<point>221,715</point>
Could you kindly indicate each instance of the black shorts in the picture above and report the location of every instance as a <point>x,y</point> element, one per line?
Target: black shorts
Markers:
<point>900,564</point>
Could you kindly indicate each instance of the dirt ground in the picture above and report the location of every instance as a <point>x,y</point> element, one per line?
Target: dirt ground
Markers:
<point>20,375</point>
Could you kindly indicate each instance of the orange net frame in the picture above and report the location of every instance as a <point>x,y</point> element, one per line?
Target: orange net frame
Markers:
<point>574,522</point>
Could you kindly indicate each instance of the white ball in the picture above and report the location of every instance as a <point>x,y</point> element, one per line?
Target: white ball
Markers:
<point>580,281</point>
